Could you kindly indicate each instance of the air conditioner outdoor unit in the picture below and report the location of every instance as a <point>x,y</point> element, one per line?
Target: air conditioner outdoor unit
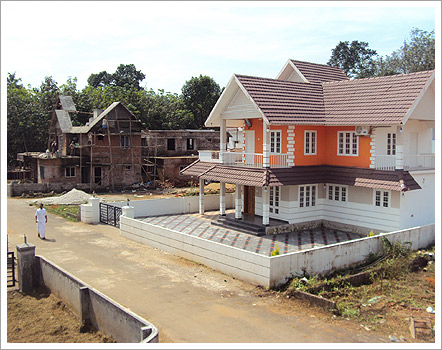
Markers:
<point>362,130</point>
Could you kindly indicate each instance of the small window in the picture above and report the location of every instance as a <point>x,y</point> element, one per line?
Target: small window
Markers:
<point>124,140</point>
<point>391,144</point>
<point>382,198</point>
<point>171,144</point>
<point>42,172</point>
<point>310,142</point>
<point>348,143</point>
<point>144,142</point>
<point>128,167</point>
<point>69,171</point>
<point>100,137</point>
<point>275,141</point>
<point>189,144</point>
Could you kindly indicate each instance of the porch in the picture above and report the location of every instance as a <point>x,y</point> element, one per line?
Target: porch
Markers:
<point>244,159</point>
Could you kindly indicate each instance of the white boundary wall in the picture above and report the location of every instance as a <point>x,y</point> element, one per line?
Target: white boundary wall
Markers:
<point>264,270</point>
<point>180,205</point>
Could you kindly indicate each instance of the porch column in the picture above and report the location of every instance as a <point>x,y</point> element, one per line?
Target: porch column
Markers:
<point>222,198</point>
<point>238,202</point>
<point>265,145</point>
<point>399,149</point>
<point>265,205</point>
<point>201,197</point>
<point>222,140</point>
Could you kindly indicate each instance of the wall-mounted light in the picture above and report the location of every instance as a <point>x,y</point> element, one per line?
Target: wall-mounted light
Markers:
<point>324,186</point>
<point>401,129</point>
<point>268,129</point>
<point>240,128</point>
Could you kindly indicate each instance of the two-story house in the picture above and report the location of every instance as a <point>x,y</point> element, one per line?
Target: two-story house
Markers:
<point>320,149</point>
<point>106,152</point>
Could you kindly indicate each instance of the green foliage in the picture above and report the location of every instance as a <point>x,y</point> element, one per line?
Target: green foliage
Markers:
<point>126,76</point>
<point>200,95</point>
<point>275,251</point>
<point>355,59</point>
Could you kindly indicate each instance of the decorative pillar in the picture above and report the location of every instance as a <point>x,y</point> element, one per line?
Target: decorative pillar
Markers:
<point>373,149</point>
<point>399,149</point>
<point>238,202</point>
<point>265,205</point>
<point>265,145</point>
<point>222,140</point>
<point>201,197</point>
<point>222,198</point>
<point>291,145</point>
<point>25,267</point>
<point>95,204</point>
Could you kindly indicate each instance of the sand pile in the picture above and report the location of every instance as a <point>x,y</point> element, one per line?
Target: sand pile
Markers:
<point>74,196</point>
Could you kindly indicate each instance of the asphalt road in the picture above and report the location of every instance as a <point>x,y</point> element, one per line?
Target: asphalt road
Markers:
<point>188,302</point>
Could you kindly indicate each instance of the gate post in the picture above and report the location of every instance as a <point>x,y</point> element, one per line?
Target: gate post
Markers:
<point>25,265</point>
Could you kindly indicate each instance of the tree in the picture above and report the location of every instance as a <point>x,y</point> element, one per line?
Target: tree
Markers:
<point>200,95</point>
<point>126,75</point>
<point>355,59</point>
<point>414,56</point>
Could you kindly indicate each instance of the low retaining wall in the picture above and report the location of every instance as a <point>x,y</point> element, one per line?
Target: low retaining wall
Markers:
<point>233,261</point>
<point>342,255</point>
<point>179,205</point>
<point>104,313</point>
<point>17,189</point>
<point>264,270</point>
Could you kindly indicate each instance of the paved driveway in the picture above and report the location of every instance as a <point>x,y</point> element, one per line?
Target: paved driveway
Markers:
<point>200,226</point>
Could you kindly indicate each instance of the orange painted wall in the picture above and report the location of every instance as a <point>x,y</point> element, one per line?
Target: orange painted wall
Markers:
<point>327,147</point>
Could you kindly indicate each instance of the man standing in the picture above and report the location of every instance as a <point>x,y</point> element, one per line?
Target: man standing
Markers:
<point>41,219</point>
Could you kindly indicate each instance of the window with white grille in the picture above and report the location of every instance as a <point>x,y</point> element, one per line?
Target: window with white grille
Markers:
<point>348,143</point>
<point>275,141</point>
<point>382,198</point>
<point>391,144</point>
<point>307,196</point>
<point>310,142</point>
<point>337,193</point>
<point>274,199</point>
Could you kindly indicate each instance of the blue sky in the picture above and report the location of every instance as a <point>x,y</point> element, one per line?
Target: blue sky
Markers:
<point>172,41</point>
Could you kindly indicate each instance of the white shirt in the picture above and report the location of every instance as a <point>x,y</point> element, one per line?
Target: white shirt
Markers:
<point>40,214</point>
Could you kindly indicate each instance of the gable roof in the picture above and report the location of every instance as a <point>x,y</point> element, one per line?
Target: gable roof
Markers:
<point>370,101</point>
<point>319,73</point>
<point>67,103</point>
<point>86,128</point>
<point>381,101</point>
<point>397,180</point>
<point>64,120</point>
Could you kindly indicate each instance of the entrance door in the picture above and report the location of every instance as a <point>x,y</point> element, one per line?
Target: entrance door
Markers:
<point>85,175</point>
<point>97,174</point>
<point>249,200</point>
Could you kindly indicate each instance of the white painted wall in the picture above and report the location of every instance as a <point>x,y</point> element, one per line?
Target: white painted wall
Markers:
<point>181,205</point>
<point>264,270</point>
<point>417,207</point>
<point>350,213</point>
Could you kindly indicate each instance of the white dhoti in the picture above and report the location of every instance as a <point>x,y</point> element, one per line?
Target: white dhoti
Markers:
<point>41,228</point>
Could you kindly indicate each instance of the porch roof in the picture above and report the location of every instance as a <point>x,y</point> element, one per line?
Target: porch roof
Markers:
<point>301,175</point>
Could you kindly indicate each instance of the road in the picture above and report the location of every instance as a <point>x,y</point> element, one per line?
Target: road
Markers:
<point>188,302</point>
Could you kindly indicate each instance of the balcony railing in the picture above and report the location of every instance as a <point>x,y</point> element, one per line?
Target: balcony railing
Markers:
<point>411,162</point>
<point>250,160</point>
<point>419,162</point>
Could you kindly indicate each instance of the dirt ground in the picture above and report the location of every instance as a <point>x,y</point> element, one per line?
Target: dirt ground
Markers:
<point>42,318</point>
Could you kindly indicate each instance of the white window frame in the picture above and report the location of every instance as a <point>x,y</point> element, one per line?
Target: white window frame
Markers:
<point>308,145</point>
<point>391,143</point>
<point>275,199</point>
<point>308,196</point>
<point>350,144</point>
<point>340,190</point>
<point>273,136</point>
<point>382,201</point>
<point>70,172</point>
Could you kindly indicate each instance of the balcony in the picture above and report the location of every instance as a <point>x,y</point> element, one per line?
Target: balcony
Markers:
<point>249,160</point>
<point>425,161</point>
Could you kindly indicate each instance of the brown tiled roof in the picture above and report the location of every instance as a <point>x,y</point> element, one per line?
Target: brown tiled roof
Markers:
<point>372,101</point>
<point>301,175</point>
<point>319,73</point>
<point>284,102</point>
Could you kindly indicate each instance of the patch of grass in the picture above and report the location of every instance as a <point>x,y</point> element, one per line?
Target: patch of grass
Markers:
<point>69,212</point>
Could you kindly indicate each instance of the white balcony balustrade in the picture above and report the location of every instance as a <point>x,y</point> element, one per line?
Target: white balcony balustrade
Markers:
<point>424,161</point>
<point>250,160</point>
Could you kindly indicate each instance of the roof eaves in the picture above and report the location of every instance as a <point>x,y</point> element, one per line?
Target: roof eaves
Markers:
<point>251,99</point>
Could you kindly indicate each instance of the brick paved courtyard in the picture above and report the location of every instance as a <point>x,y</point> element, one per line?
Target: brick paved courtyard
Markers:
<point>200,226</point>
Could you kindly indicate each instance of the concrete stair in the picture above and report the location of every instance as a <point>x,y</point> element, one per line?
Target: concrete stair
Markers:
<point>240,225</point>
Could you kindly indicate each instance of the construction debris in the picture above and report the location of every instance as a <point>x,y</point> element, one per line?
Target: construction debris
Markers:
<point>74,196</point>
